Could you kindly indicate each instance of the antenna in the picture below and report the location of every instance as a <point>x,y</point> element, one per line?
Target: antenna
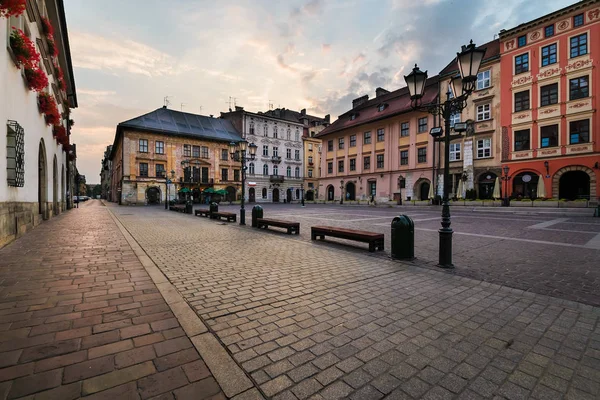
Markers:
<point>200,109</point>
<point>234,102</point>
<point>270,105</point>
<point>182,104</point>
<point>166,101</point>
<point>229,103</point>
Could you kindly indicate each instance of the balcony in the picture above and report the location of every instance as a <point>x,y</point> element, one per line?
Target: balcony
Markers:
<point>276,159</point>
<point>200,181</point>
<point>276,178</point>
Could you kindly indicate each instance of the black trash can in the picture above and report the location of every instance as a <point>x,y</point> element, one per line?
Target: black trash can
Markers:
<point>403,238</point>
<point>257,212</point>
<point>213,208</point>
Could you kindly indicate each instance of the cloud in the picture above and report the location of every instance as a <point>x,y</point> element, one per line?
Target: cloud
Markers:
<point>325,48</point>
<point>312,8</point>
<point>404,4</point>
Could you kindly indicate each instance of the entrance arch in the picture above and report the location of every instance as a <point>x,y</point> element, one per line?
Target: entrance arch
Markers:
<point>574,183</point>
<point>230,193</point>
<point>525,184</point>
<point>310,195</point>
<point>350,191</point>
<point>42,181</point>
<point>275,195</point>
<point>251,195</point>
<point>486,183</point>
<point>330,193</point>
<point>153,195</point>
<point>55,208</point>
<point>63,189</point>
<point>289,195</point>
<point>421,188</point>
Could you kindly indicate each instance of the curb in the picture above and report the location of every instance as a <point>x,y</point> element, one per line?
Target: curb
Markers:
<point>230,377</point>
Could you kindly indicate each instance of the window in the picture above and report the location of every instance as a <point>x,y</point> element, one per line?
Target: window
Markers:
<point>352,140</point>
<point>159,147</point>
<point>381,107</point>
<point>579,45</point>
<point>367,163</point>
<point>204,152</point>
<point>275,131</point>
<point>403,157</point>
<point>288,172</point>
<point>484,148</point>
<point>297,136</point>
<point>297,155</point>
<point>224,174</point>
<point>160,170</point>
<point>483,80</point>
<point>579,131</point>
<point>341,166</point>
<point>522,41</point>
<point>187,150</point>
<point>483,112</point>
<point>265,169</point>
<point>352,117</point>
<point>330,145</point>
<point>379,160</point>
<point>454,118</point>
<point>266,130</point>
<point>522,101</point>
<point>373,188</point>
<point>404,129</point>
<point>549,31</point>
<point>143,169</point>
<point>549,55</point>
<point>353,164</point>
<point>265,150</point>
<point>367,138</point>
<point>380,135</point>
<point>310,160</point>
<point>578,20</point>
<point>297,172</point>
<point>275,151</point>
<point>422,125</point>
<point>579,88</point>
<point>288,153</point>
<point>196,151</point>
<point>310,173</point>
<point>549,94</point>
<point>143,145</point>
<point>289,134</point>
<point>15,154</point>
<point>275,170</point>
<point>330,168</point>
<point>454,151</point>
<point>341,143</point>
<point>522,63</point>
<point>549,136</point>
<point>522,141</point>
<point>422,155</point>
<point>310,147</point>
<point>224,154</point>
<point>236,175</point>
<point>251,169</point>
<point>252,128</point>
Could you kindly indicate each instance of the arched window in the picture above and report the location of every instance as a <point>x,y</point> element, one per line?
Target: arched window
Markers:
<point>289,134</point>
<point>252,128</point>
<point>297,193</point>
<point>266,169</point>
<point>275,131</point>
<point>266,130</point>
<point>289,172</point>
<point>297,135</point>
<point>275,170</point>
<point>264,193</point>
<point>297,172</point>
<point>251,168</point>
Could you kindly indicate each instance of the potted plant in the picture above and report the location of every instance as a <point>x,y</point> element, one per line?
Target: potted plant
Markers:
<point>23,49</point>
<point>523,202</point>
<point>578,203</point>
<point>36,79</point>
<point>12,8</point>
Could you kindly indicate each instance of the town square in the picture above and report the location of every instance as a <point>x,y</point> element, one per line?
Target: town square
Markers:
<point>314,200</point>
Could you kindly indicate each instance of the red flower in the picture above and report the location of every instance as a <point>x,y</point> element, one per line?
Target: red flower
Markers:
<point>47,28</point>
<point>48,106</point>
<point>24,49</point>
<point>36,79</point>
<point>12,7</point>
<point>52,48</point>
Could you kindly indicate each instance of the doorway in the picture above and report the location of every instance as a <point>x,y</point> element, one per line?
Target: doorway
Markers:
<point>424,191</point>
<point>55,208</point>
<point>525,185</point>
<point>486,185</point>
<point>275,195</point>
<point>251,195</point>
<point>350,191</point>
<point>330,193</point>
<point>289,195</point>
<point>574,185</point>
<point>153,195</point>
<point>42,181</point>
<point>310,195</point>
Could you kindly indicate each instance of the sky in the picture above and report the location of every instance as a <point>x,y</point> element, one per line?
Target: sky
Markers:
<point>314,54</point>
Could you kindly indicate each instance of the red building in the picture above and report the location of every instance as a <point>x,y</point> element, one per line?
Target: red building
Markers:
<point>549,98</point>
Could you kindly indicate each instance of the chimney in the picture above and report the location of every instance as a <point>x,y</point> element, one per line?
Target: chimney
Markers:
<point>327,118</point>
<point>360,100</point>
<point>380,91</point>
<point>238,108</point>
<point>164,106</point>
<point>303,111</point>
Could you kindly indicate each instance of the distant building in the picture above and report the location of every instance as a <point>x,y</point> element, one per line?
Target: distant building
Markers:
<point>105,173</point>
<point>189,150</point>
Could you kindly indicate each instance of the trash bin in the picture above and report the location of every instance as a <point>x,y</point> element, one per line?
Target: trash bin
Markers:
<point>403,238</point>
<point>189,207</point>
<point>213,208</point>
<point>257,212</point>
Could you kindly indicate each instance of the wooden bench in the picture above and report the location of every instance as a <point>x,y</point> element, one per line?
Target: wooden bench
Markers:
<point>292,227</point>
<point>375,240</point>
<point>204,212</point>
<point>180,208</point>
<point>231,217</point>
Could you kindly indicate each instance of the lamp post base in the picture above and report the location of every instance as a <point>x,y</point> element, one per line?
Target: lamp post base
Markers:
<point>242,216</point>
<point>445,256</point>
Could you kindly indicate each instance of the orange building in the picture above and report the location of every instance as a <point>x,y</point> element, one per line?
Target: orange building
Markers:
<point>550,126</point>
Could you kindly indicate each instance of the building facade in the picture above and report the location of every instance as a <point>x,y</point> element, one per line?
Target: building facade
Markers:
<point>381,149</point>
<point>175,154</point>
<point>37,91</point>
<point>105,173</point>
<point>549,69</point>
<point>476,157</point>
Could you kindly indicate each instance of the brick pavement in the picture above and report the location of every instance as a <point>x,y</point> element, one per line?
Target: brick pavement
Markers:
<point>317,321</point>
<point>80,317</point>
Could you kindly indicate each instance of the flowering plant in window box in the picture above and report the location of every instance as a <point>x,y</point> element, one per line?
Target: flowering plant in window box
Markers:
<point>47,28</point>
<point>10,8</point>
<point>52,48</point>
<point>36,79</point>
<point>47,106</point>
<point>59,131</point>
<point>23,49</point>
<point>61,79</point>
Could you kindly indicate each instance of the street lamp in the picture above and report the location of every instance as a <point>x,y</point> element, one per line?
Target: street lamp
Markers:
<point>238,150</point>
<point>342,188</point>
<point>469,60</point>
<point>506,178</point>
<point>302,193</point>
<point>167,183</point>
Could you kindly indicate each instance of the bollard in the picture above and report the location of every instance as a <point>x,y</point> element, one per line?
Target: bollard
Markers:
<point>213,208</point>
<point>189,207</point>
<point>403,238</point>
<point>257,212</point>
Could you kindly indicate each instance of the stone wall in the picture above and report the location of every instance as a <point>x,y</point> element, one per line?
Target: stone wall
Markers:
<point>16,218</point>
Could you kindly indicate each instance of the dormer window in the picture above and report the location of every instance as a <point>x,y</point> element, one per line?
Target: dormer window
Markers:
<point>381,107</point>
<point>353,116</point>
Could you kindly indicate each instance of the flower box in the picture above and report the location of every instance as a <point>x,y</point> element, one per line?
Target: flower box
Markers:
<point>13,8</point>
<point>519,203</point>
<point>546,203</point>
<point>572,204</point>
<point>473,203</point>
<point>23,50</point>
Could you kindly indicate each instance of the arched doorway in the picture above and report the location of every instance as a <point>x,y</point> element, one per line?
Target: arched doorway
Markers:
<point>486,183</point>
<point>264,193</point>
<point>421,189</point>
<point>525,185</point>
<point>196,195</point>
<point>42,181</point>
<point>330,193</point>
<point>63,189</point>
<point>310,195</point>
<point>153,195</point>
<point>275,195</point>
<point>289,195</point>
<point>55,208</point>
<point>350,191</point>
<point>574,185</point>
<point>251,195</point>
<point>230,193</point>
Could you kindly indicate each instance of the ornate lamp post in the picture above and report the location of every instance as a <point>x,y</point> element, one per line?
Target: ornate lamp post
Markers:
<point>167,183</point>
<point>342,188</point>
<point>238,151</point>
<point>469,60</point>
<point>302,193</point>
<point>505,178</point>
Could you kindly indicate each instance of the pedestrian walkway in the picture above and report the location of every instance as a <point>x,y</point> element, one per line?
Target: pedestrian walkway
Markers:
<point>81,317</point>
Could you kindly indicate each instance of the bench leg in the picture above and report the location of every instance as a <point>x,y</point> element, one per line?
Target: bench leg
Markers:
<point>371,247</point>
<point>297,231</point>
<point>313,236</point>
<point>380,246</point>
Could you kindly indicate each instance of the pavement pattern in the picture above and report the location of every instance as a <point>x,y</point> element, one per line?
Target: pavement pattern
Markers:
<point>323,321</point>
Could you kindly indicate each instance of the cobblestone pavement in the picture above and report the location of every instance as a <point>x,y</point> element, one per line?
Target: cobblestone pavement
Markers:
<point>543,253</point>
<point>324,321</point>
<point>80,317</point>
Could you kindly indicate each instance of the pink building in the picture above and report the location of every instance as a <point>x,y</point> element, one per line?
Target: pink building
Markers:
<point>380,148</point>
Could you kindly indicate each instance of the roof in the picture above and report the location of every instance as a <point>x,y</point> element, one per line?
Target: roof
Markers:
<point>67,51</point>
<point>290,115</point>
<point>492,51</point>
<point>398,102</point>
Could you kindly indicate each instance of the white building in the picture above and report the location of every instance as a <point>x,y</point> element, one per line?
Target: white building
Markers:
<point>35,172</point>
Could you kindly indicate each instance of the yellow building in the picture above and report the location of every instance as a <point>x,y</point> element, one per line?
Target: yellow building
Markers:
<point>312,163</point>
<point>190,151</point>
